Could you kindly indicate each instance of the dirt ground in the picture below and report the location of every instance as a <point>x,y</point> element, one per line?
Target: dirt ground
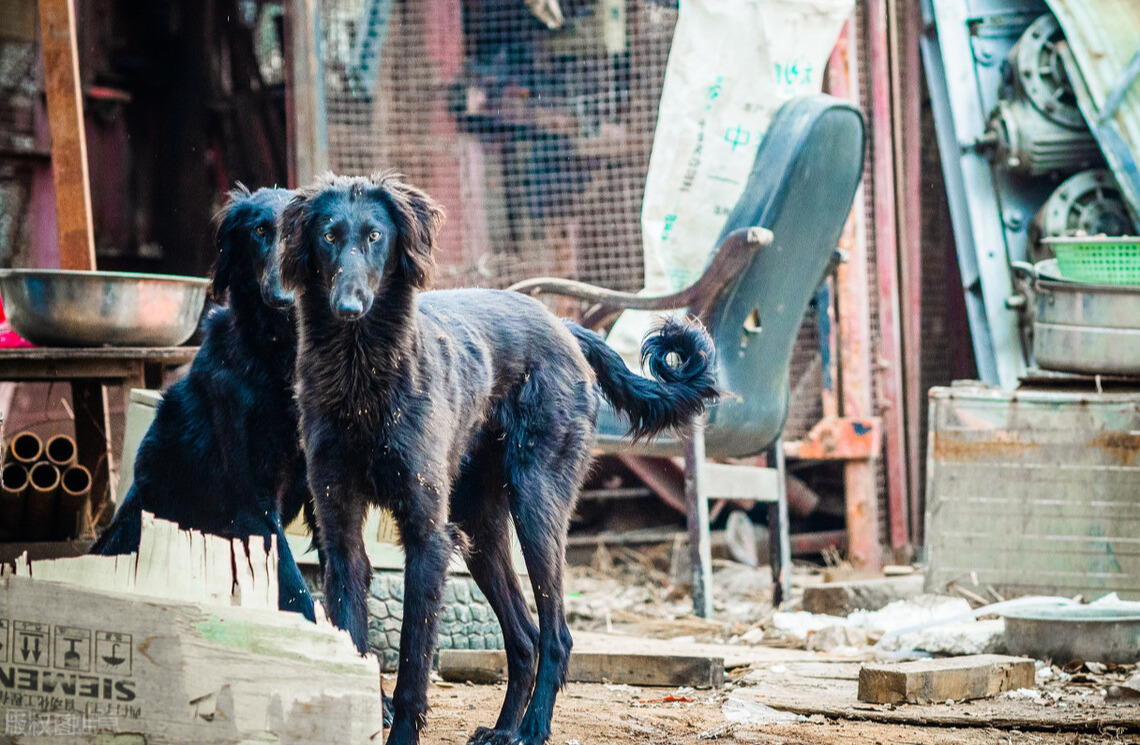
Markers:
<point>631,604</point>
<point>589,714</point>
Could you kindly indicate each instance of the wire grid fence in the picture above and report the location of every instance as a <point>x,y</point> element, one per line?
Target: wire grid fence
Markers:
<point>537,142</point>
<point>19,62</point>
<point>875,335</point>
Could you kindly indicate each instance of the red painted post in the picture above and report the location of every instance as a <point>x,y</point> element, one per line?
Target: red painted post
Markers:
<point>890,366</point>
<point>854,347</point>
<point>907,23</point>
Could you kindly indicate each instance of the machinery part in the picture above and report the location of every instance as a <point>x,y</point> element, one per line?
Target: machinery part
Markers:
<point>1029,143</point>
<point>1040,74</point>
<point>1036,127</point>
<point>1087,203</point>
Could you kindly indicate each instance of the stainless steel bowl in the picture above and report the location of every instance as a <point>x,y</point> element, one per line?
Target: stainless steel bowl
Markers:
<point>61,308</point>
<point>1080,632</point>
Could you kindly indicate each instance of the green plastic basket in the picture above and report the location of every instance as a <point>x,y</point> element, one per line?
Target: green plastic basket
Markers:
<point>1114,261</point>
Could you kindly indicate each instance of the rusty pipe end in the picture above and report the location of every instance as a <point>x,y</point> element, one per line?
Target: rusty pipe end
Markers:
<point>60,451</point>
<point>26,448</point>
<point>44,477</point>
<point>76,481</point>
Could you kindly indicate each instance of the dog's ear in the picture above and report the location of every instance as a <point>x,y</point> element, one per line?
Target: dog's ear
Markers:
<point>418,219</point>
<point>225,230</point>
<point>292,246</point>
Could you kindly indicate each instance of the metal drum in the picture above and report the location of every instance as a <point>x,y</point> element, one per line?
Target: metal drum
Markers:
<point>1083,328</point>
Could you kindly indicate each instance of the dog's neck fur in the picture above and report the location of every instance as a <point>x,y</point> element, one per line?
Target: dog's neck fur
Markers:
<point>357,363</point>
<point>267,331</point>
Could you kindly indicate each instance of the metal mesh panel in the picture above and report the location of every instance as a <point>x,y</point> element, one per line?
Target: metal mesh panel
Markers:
<point>536,142</point>
<point>864,67</point>
<point>19,60</point>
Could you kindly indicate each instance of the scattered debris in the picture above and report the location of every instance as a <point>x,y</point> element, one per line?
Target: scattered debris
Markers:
<point>839,640</point>
<point>841,598</point>
<point>741,710</point>
<point>970,637</point>
<point>670,699</point>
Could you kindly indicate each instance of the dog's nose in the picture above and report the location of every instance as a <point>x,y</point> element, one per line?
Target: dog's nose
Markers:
<point>280,298</point>
<point>350,308</point>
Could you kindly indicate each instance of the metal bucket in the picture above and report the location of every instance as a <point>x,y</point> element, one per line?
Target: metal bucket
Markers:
<point>1083,328</point>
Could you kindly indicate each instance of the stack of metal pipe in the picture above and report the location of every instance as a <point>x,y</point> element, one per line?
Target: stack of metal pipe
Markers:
<point>44,493</point>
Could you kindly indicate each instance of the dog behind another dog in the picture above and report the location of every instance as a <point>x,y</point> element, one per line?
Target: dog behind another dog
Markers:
<point>460,411</point>
<point>222,454</point>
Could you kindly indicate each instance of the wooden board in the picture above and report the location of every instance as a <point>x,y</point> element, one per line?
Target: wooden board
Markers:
<point>940,680</point>
<point>489,666</point>
<point>830,689</point>
<point>68,141</point>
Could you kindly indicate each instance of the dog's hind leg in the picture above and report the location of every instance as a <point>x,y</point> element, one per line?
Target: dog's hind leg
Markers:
<point>292,592</point>
<point>122,536</point>
<point>480,507</point>
<point>549,428</point>
<point>541,511</point>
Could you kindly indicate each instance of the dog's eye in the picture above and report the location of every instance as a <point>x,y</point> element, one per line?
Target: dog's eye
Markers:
<point>330,237</point>
<point>373,236</point>
<point>261,230</point>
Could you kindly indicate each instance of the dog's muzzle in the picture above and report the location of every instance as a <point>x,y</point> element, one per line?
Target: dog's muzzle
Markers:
<point>352,304</point>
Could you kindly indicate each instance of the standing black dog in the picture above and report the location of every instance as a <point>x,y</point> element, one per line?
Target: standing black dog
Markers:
<point>459,411</point>
<point>222,454</point>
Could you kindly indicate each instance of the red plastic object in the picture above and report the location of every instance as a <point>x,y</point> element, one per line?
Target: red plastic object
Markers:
<point>9,339</point>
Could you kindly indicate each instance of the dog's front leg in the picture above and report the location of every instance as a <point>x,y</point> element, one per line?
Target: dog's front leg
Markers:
<point>340,517</point>
<point>427,549</point>
<point>348,570</point>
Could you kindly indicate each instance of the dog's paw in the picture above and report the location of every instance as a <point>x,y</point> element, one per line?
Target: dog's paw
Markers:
<point>389,710</point>
<point>488,736</point>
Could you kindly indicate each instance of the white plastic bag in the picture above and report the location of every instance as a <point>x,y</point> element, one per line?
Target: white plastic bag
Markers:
<point>732,64</point>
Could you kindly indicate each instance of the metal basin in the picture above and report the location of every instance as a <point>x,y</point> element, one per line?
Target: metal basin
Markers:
<point>54,307</point>
<point>1083,327</point>
<point>1074,632</point>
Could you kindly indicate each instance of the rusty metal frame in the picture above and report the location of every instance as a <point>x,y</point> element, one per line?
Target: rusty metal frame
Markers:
<point>906,28</point>
<point>852,315</point>
<point>886,213</point>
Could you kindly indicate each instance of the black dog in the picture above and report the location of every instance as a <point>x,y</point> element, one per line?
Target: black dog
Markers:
<point>222,454</point>
<point>459,411</point>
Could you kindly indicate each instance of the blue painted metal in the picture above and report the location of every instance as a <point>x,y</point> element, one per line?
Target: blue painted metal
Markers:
<point>1102,59</point>
<point>963,49</point>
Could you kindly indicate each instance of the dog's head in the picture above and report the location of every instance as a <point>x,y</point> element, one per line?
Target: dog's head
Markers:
<point>350,236</point>
<point>246,239</point>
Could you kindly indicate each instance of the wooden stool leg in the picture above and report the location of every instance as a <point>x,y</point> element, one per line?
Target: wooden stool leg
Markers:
<point>93,439</point>
<point>779,541</point>
<point>700,543</point>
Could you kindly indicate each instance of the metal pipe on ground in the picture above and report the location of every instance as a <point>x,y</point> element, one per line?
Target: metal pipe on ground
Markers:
<point>41,504</point>
<point>13,489</point>
<point>73,515</point>
<point>25,448</point>
<point>60,451</point>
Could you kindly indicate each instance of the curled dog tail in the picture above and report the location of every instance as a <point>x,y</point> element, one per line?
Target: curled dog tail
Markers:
<point>674,394</point>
